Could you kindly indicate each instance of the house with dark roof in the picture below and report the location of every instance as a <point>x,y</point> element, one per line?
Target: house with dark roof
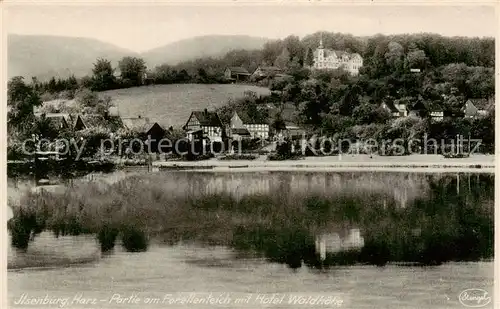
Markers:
<point>239,133</point>
<point>144,126</point>
<point>236,74</point>
<point>208,122</point>
<point>418,109</point>
<point>283,122</point>
<point>257,128</point>
<point>155,134</point>
<point>150,132</point>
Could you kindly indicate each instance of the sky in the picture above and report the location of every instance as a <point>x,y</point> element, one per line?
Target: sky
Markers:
<point>140,27</point>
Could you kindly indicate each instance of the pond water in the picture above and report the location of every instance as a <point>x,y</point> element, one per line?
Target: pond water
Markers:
<point>183,270</point>
<point>234,279</point>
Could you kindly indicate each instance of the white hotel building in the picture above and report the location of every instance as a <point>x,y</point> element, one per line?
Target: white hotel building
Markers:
<point>333,59</point>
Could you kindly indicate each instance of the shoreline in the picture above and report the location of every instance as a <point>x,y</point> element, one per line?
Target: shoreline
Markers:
<point>425,163</point>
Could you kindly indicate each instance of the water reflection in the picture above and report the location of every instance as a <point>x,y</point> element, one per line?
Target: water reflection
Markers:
<point>333,243</point>
<point>426,221</point>
<point>316,219</point>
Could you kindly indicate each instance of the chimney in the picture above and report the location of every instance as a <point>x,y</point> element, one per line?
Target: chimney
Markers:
<point>139,116</point>
<point>205,111</point>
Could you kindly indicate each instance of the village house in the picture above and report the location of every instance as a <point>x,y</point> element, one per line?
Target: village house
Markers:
<point>267,71</point>
<point>208,122</point>
<point>396,109</point>
<point>236,74</point>
<point>437,114</point>
<point>151,131</point>
<point>143,125</point>
<point>257,128</point>
<point>239,134</point>
<point>418,110</point>
<point>155,133</point>
<point>325,59</point>
<point>476,107</point>
<point>138,123</point>
<point>86,121</point>
<point>58,120</point>
<point>389,106</point>
<point>286,127</point>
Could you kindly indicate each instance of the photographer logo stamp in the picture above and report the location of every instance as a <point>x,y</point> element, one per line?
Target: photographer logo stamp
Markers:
<point>474,298</point>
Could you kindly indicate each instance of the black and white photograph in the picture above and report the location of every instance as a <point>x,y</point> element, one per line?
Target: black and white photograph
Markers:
<point>249,155</point>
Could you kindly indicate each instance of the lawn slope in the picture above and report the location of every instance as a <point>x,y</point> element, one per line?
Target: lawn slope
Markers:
<point>171,105</point>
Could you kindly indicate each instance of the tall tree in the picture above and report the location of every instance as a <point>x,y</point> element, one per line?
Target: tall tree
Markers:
<point>21,99</point>
<point>283,59</point>
<point>416,59</point>
<point>309,58</point>
<point>394,55</point>
<point>103,77</point>
<point>132,69</point>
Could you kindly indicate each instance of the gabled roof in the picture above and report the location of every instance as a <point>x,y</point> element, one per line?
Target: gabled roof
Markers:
<point>247,119</point>
<point>207,118</point>
<point>417,106</point>
<point>85,121</point>
<point>155,127</point>
<point>59,120</point>
<point>269,69</point>
<point>481,103</point>
<point>238,70</point>
<point>390,106</point>
<point>138,123</point>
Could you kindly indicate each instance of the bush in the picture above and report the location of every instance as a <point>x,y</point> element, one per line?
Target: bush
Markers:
<point>15,151</point>
<point>21,227</point>
<point>107,237</point>
<point>134,239</point>
<point>284,149</point>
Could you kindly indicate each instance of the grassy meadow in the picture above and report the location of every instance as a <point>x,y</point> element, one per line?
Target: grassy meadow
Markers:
<point>444,224</point>
<point>171,105</point>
